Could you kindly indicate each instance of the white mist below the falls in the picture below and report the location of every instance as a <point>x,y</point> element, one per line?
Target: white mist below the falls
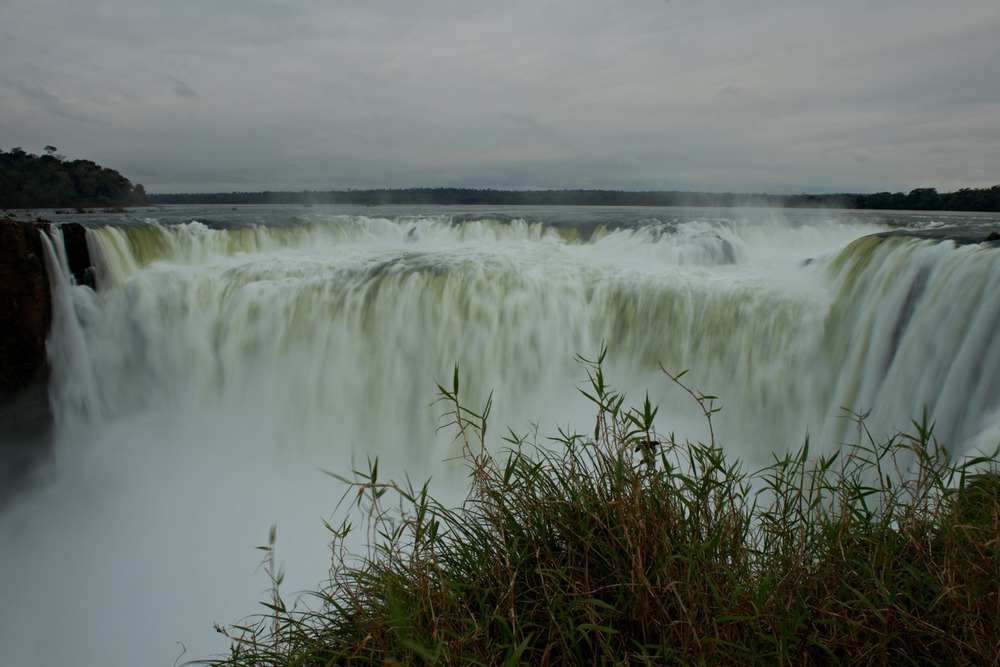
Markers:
<point>146,537</point>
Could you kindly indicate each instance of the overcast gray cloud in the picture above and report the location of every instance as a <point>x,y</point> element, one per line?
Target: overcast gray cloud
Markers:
<point>773,95</point>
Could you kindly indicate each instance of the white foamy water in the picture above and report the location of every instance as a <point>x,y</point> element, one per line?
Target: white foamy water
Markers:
<point>220,368</point>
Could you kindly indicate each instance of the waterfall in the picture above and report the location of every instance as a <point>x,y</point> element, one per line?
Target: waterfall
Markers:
<point>342,327</point>
<point>202,389</point>
<point>912,327</point>
<point>73,385</point>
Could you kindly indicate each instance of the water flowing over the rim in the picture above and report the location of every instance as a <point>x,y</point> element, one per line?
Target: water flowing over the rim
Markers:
<point>356,314</point>
<point>219,367</point>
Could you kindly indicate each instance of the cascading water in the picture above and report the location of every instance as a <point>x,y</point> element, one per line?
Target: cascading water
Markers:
<point>200,392</point>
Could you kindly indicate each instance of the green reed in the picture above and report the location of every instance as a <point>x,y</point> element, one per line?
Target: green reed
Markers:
<point>624,546</point>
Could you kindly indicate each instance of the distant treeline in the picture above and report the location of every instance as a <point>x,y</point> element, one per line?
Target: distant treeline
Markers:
<point>966,199</point>
<point>50,181</point>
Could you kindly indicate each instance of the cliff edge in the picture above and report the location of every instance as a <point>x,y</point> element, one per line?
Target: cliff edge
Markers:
<point>25,306</point>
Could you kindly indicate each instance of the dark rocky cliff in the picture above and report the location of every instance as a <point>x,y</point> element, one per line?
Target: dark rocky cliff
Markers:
<point>25,317</point>
<point>25,306</point>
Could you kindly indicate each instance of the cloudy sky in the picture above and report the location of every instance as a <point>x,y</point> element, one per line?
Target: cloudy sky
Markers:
<point>737,95</point>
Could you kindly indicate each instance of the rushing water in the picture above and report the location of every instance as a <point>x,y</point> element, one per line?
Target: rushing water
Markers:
<point>230,356</point>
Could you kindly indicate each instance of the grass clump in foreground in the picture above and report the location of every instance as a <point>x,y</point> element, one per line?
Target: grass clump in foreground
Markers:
<point>623,547</point>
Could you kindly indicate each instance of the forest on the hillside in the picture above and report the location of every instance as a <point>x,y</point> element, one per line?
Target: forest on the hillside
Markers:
<point>51,181</point>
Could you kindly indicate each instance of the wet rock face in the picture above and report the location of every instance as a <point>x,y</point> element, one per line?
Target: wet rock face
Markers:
<point>25,306</point>
<point>25,299</point>
<point>77,254</point>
